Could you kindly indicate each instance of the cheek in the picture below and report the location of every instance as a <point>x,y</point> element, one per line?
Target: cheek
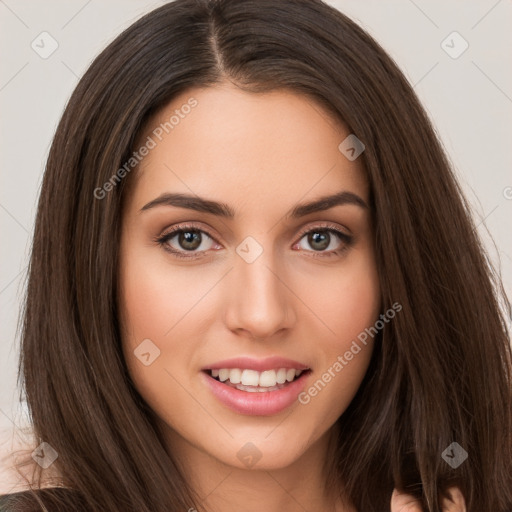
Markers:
<point>346,301</point>
<point>155,298</point>
<point>152,302</point>
<point>348,304</point>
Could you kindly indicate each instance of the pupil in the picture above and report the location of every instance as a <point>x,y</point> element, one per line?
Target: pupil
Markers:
<point>319,240</point>
<point>190,240</point>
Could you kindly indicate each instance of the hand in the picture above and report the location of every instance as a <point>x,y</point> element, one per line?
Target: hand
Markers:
<point>401,502</point>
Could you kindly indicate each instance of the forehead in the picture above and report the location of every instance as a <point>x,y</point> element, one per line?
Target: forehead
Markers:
<point>245,148</point>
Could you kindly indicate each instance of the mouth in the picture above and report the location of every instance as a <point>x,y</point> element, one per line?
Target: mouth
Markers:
<point>253,381</point>
<point>256,387</point>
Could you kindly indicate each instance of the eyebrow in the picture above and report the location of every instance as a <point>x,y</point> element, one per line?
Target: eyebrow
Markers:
<point>223,210</point>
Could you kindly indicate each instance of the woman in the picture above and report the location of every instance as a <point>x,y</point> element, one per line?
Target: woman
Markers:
<point>255,284</point>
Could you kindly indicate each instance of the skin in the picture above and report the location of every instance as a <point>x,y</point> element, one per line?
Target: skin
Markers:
<point>261,155</point>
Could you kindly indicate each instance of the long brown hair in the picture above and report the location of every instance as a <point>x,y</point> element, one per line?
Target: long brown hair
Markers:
<point>440,372</point>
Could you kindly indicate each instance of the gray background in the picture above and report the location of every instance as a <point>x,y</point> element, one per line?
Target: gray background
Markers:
<point>468,99</point>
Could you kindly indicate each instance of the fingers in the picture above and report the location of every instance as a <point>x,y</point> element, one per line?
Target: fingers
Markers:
<point>456,503</point>
<point>401,502</point>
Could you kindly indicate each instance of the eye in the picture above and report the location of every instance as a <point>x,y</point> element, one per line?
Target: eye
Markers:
<point>325,241</point>
<point>191,242</point>
<point>186,239</point>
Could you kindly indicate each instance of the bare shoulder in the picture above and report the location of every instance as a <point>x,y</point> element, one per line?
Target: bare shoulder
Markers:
<point>18,467</point>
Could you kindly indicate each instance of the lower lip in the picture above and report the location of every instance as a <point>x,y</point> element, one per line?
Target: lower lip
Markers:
<point>260,403</point>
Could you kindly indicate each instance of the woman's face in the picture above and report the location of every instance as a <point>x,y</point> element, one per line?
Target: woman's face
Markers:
<point>220,318</point>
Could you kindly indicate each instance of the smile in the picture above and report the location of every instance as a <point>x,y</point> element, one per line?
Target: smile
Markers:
<point>257,387</point>
<point>254,381</point>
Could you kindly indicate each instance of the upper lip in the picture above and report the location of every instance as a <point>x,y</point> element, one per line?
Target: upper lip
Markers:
<point>260,365</point>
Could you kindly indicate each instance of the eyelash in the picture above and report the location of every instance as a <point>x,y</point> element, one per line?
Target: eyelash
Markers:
<point>163,240</point>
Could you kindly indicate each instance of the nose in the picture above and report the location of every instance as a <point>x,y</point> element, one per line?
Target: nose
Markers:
<point>260,304</point>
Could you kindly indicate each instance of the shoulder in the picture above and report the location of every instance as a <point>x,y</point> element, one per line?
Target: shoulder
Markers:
<point>52,499</point>
<point>19,491</point>
<point>18,470</point>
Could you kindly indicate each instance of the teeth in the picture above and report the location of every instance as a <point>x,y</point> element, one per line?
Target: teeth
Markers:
<point>249,377</point>
<point>266,379</point>
<point>235,376</point>
<point>281,375</point>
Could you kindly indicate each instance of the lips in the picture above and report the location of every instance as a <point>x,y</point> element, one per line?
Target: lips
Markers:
<point>259,365</point>
<point>256,386</point>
